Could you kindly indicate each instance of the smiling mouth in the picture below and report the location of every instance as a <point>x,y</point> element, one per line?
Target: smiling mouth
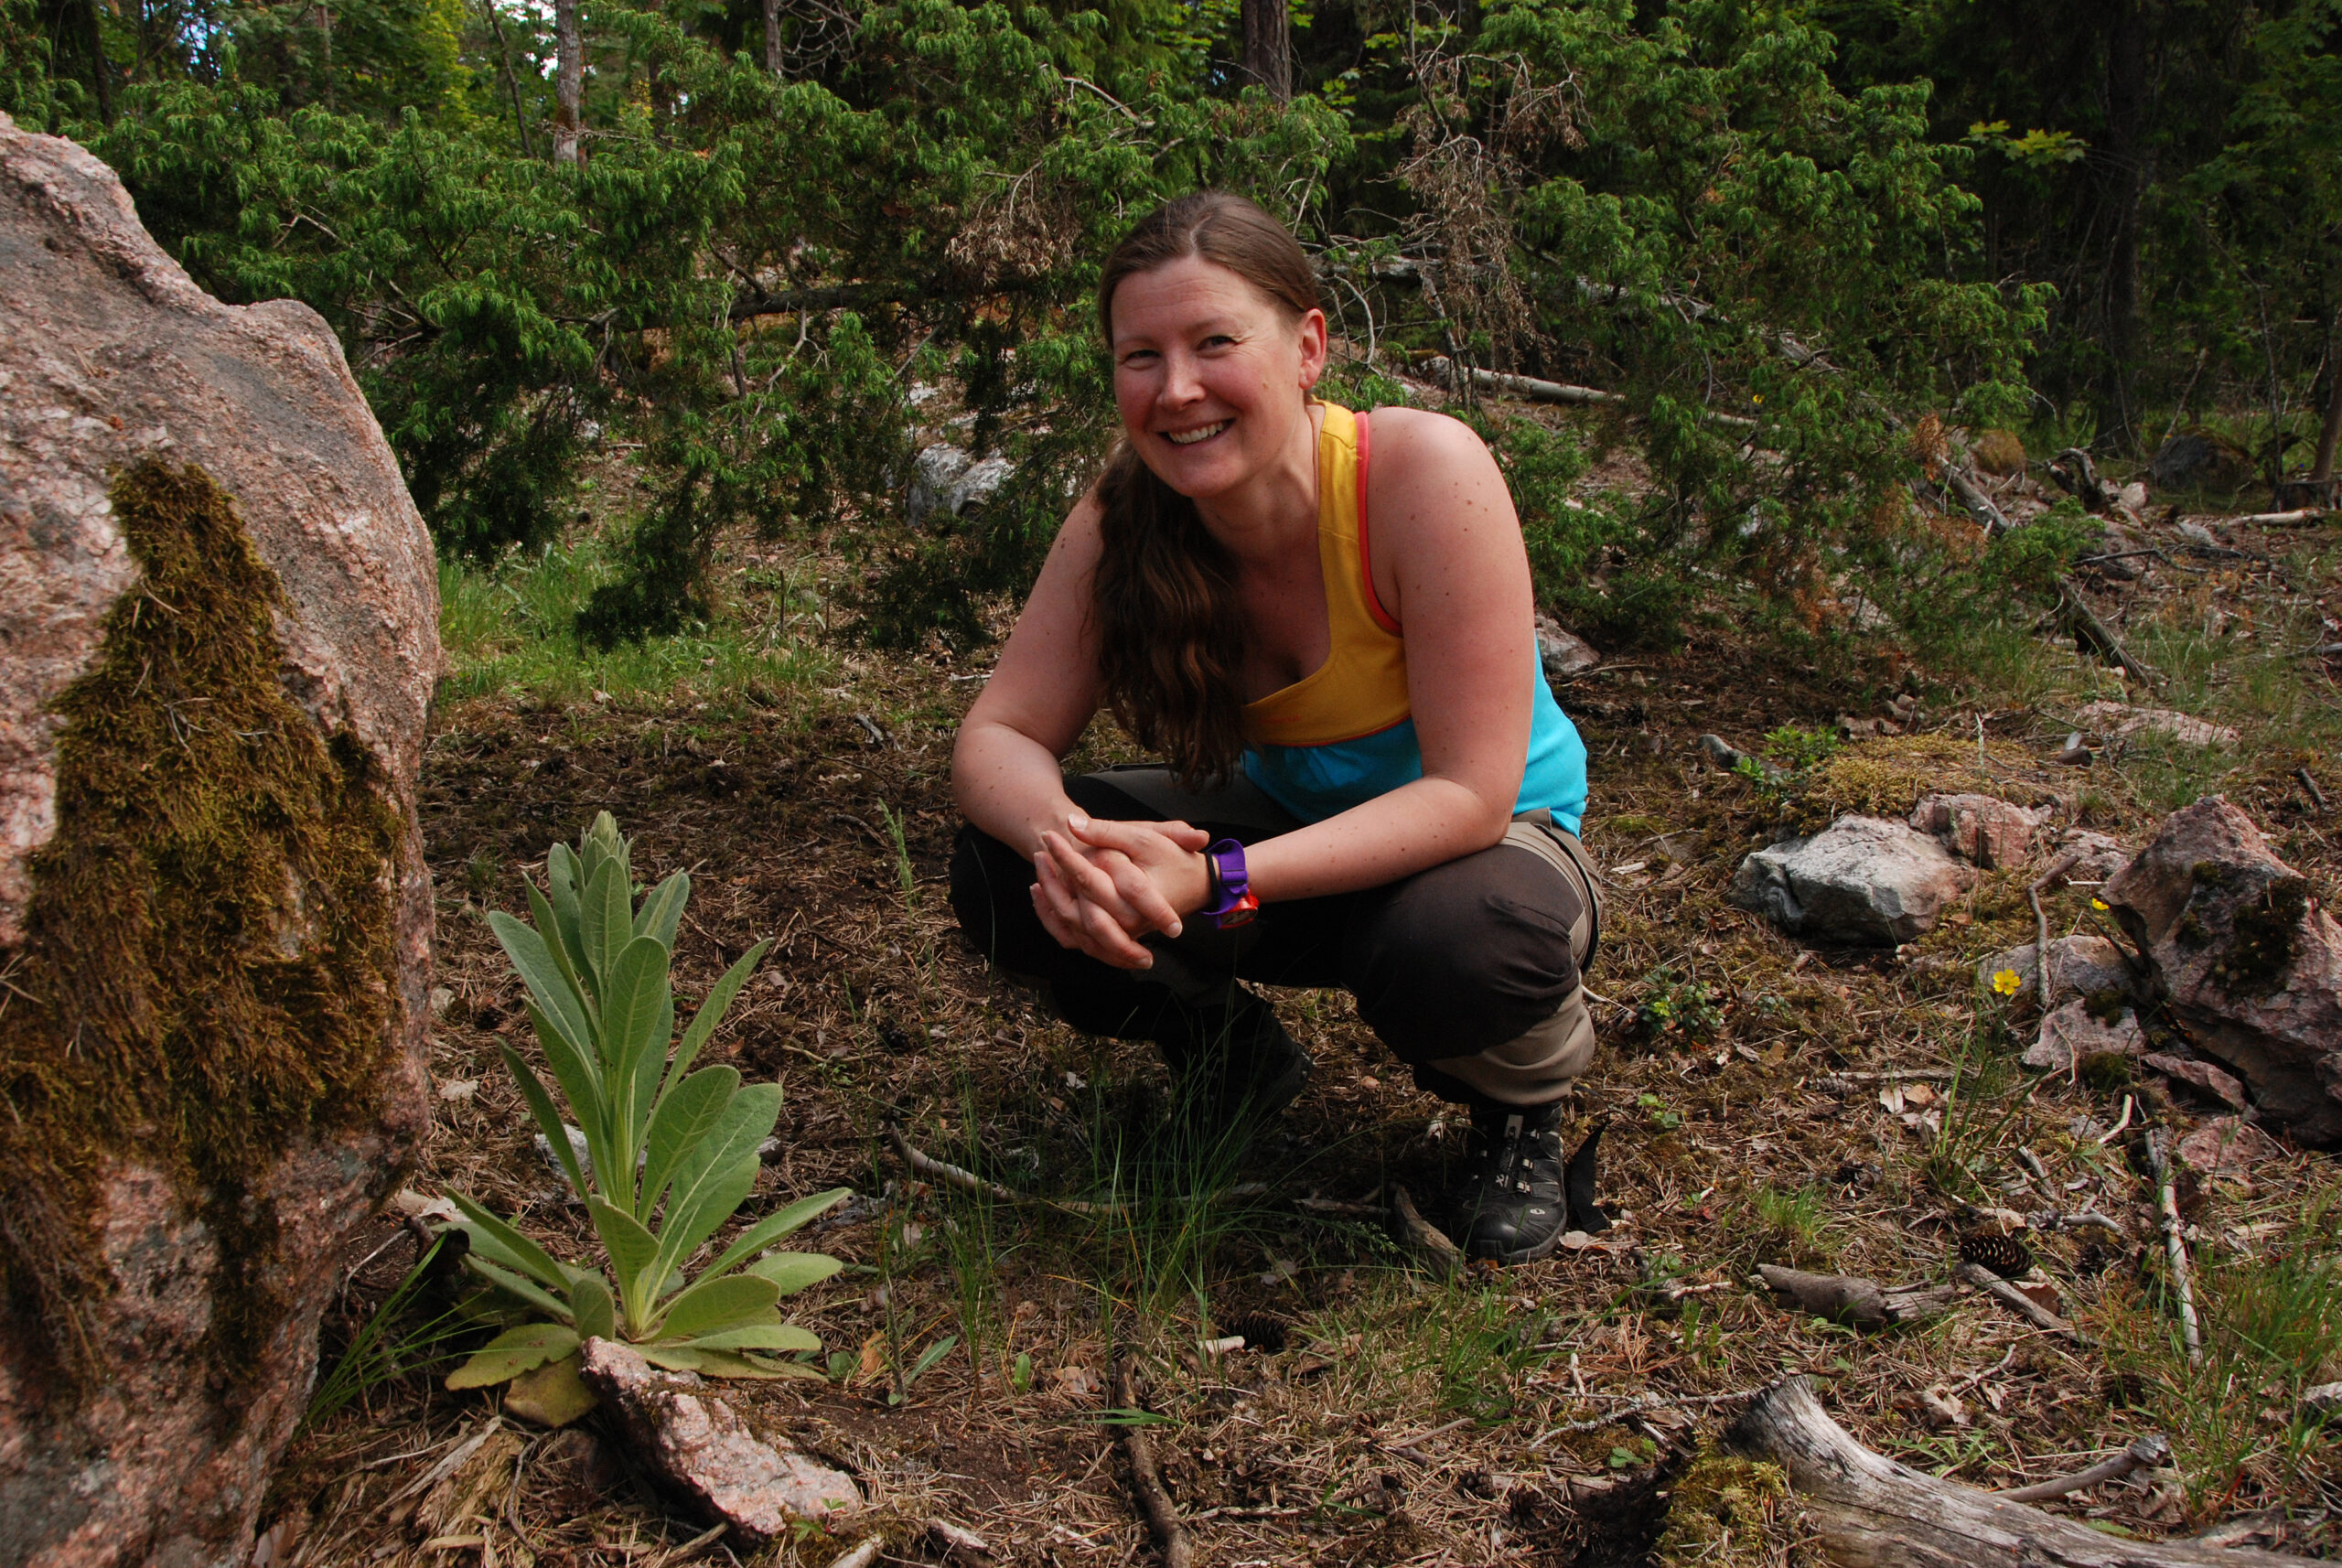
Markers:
<point>1189,437</point>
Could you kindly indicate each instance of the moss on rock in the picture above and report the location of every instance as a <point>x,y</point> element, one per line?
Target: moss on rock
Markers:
<point>1887,777</point>
<point>1728,1510</point>
<point>209,973</point>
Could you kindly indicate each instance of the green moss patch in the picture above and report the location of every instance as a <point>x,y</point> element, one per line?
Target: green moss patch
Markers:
<point>1728,1510</point>
<point>1887,777</point>
<point>209,971</point>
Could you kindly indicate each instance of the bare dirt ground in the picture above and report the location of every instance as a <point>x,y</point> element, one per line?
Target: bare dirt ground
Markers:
<point>1375,1415</point>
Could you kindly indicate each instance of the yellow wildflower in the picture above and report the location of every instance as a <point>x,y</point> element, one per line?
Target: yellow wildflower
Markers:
<point>2008,982</point>
<point>2096,903</point>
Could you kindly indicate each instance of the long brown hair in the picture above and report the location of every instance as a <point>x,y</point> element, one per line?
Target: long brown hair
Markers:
<point>1171,634</point>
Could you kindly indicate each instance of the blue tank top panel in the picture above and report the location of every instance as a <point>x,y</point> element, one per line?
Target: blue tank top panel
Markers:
<point>1314,782</point>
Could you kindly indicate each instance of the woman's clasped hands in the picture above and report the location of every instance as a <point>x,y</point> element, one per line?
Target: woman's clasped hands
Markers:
<point>1102,886</point>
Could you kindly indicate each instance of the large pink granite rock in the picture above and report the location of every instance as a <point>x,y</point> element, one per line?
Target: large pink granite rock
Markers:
<point>219,614</point>
<point>2251,962</point>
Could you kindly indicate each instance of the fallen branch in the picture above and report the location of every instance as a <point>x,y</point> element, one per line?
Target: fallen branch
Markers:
<point>1529,387</point>
<point>862,1556</point>
<point>2278,518</point>
<point>2310,784</point>
<point>1853,1300</point>
<point>1871,1512</point>
<point>1980,505</point>
<point>2148,1452</point>
<point>1427,1242</point>
<point>946,1174</point>
<point>2016,1301</point>
<point>2175,1242</point>
<point>1153,1502</point>
<point>2088,627</point>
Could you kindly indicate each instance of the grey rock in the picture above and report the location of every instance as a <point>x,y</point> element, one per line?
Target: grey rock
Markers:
<point>2227,1145</point>
<point>1863,880</point>
<point>946,478</point>
<point>2248,959</point>
<point>2325,1399</point>
<point>2099,857</point>
<point>2072,1036</point>
<point>1988,833</point>
<point>2120,721</point>
<point>111,356</point>
<point>2221,1086</point>
<point>1564,655</point>
<point>701,1451</point>
<point>2084,966</point>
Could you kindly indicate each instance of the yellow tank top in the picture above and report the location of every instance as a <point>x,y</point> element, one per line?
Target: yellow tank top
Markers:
<point>1361,689</point>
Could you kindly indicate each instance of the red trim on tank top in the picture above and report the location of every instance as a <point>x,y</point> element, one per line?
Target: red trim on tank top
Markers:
<point>1365,555</point>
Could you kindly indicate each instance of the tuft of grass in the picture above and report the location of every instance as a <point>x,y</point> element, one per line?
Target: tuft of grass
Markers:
<point>513,629</point>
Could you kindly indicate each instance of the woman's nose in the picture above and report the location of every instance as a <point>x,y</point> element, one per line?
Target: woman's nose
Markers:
<point>1180,383</point>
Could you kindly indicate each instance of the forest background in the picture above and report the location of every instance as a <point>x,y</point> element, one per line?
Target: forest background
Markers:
<point>1811,248</point>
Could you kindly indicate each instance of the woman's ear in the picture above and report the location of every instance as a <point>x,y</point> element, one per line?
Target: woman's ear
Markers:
<point>1313,349</point>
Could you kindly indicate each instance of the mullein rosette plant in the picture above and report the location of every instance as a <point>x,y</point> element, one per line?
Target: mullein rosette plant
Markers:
<point>671,1153</point>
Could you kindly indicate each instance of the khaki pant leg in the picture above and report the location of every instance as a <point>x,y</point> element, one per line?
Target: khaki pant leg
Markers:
<point>1538,1066</point>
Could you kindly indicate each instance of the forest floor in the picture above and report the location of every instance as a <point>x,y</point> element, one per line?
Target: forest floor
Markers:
<point>1376,1413</point>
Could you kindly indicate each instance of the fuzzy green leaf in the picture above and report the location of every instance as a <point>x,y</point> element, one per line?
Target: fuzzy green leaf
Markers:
<point>547,920</point>
<point>634,1254</point>
<point>786,1337</point>
<point>512,1352</point>
<point>540,1106</point>
<point>792,1271</point>
<point>698,1211</point>
<point>544,978</point>
<point>505,1245</point>
<point>773,1227</point>
<point>515,1284</point>
<point>714,1304</point>
<point>608,928</point>
<point>711,1011</point>
<point>692,1110</point>
<point>663,910</point>
<point>566,883</point>
<point>591,1309</point>
<point>573,1069</point>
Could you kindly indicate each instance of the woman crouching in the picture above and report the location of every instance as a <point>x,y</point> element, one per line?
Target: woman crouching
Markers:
<point>1323,620</point>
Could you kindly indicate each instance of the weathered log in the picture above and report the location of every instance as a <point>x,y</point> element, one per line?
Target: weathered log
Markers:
<point>1853,1300</point>
<point>2088,627</point>
<point>1534,389</point>
<point>1871,1512</point>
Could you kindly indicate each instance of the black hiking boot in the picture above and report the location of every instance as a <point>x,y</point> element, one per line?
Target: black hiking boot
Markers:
<point>1235,1063</point>
<point>1512,1205</point>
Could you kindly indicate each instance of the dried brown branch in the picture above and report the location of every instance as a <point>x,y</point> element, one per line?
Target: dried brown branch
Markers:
<point>1154,1502</point>
<point>2091,630</point>
<point>2016,1301</point>
<point>2175,1240</point>
<point>2148,1452</point>
<point>1427,1242</point>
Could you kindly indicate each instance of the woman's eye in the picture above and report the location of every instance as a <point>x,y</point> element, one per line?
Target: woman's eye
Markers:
<point>1218,340</point>
<point>1139,357</point>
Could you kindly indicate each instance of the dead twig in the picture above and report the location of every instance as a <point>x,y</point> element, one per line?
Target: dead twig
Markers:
<point>2175,1242</point>
<point>1153,1500</point>
<point>1427,1241</point>
<point>2094,631</point>
<point>2148,1452</point>
<point>2016,1301</point>
<point>2315,794</point>
<point>965,1180</point>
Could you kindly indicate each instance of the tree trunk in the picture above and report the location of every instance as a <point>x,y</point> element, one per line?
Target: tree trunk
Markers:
<point>1873,1513</point>
<point>772,37</point>
<point>1268,47</point>
<point>2330,433</point>
<point>100,75</point>
<point>569,81</point>
<point>2126,121</point>
<point>504,57</point>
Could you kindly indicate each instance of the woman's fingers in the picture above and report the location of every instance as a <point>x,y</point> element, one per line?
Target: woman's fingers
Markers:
<point>1075,922</point>
<point>1108,880</point>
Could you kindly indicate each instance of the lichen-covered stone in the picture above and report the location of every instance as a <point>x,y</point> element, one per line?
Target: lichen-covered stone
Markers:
<point>2084,967</point>
<point>1862,881</point>
<point>221,610</point>
<point>701,1451</point>
<point>1982,830</point>
<point>2073,1036</point>
<point>2249,961</point>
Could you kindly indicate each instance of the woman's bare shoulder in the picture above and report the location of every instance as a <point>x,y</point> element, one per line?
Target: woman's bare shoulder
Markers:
<point>1420,433</point>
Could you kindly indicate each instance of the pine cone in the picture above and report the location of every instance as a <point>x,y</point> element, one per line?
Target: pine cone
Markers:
<point>2004,1255</point>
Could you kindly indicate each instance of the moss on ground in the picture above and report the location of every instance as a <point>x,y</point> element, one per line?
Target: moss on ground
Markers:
<point>1726,1509</point>
<point>1887,777</point>
<point>209,971</point>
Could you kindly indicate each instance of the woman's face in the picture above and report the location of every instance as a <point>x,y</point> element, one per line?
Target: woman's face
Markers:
<point>1209,373</point>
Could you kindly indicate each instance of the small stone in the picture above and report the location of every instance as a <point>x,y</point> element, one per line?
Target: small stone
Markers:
<point>1862,881</point>
<point>2325,1399</point>
<point>2099,857</point>
<point>699,1449</point>
<point>460,1091</point>
<point>2227,1145</point>
<point>957,1543</point>
<point>1988,833</point>
<point>2221,1086</point>
<point>2074,1037</point>
<point>2249,958</point>
<point>1564,654</point>
<point>442,1000</point>
<point>2120,721</point>
<point>2084,966</point>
